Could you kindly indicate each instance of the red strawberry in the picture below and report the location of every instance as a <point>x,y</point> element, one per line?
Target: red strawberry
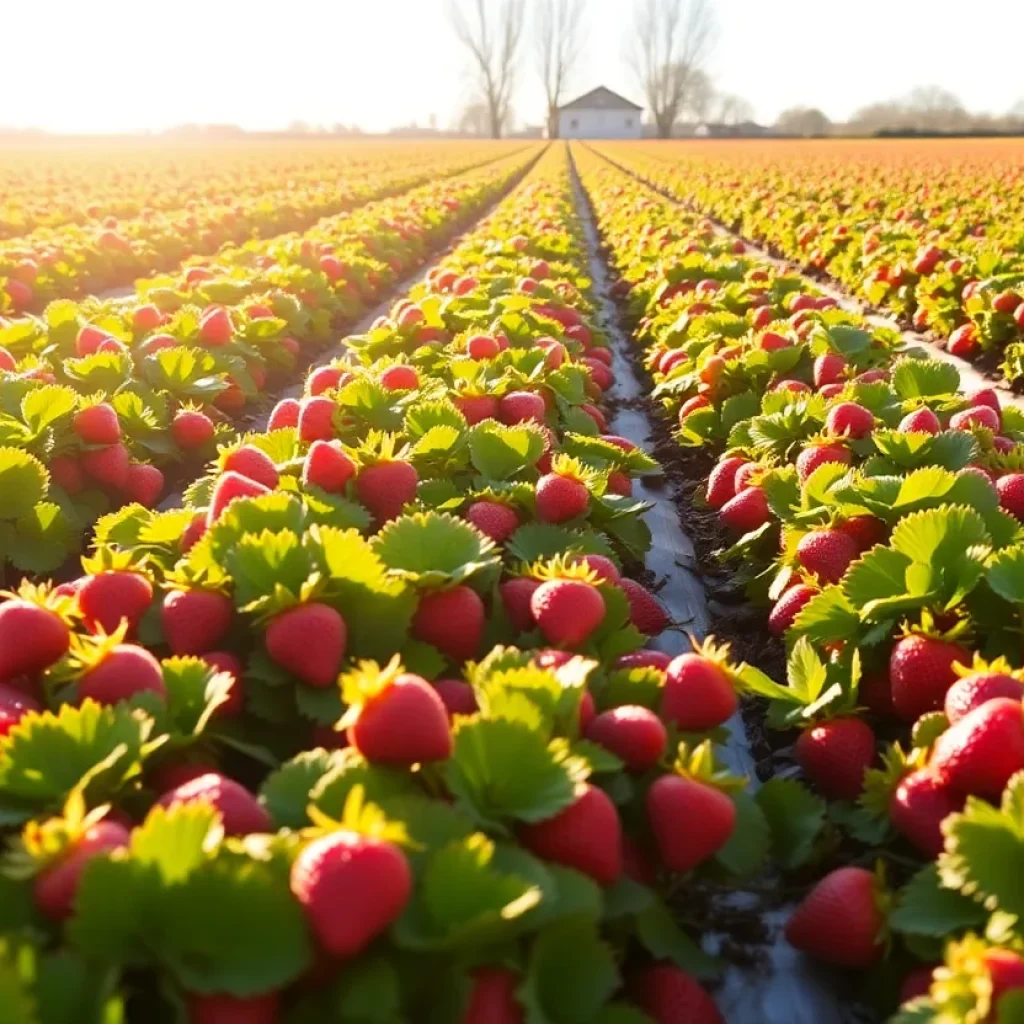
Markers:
<point>619,483</point>
<point>1011,494</point>
<point>604,568</point>
<point>284,414</point>
<point>972,691</point>
<point>32,638</point>
<point>916,984</point>
<point>835,754</point>
<point>195,621</point>
<point>691,821</point>
<point>323,379</point>
<point>316,419</point>
<point>827,554</point>
<point>108,597</point>
<point>788,607</point>
<point>14,705</point>
<point>88,340</point>
<point>327,467</point>
<point>107,465</point>
<point>567,611</point>
<point>97,424</point>
<point>493,519</point>
<point>224,661</point>
<point>123,672</point>
<point>352,888</point>
<point>191,429</point>
<point>521,407</point>
<point>920,421</point>
<point>218,1009</point>
<point>1005,971</point>
<point>978,755</point>
<point>978,416</point>
<point>452,620</point>
<point>193,532</point>
<point>400,378</point>
<point>645,610</point>
<point>228,488</point>
<point>8,363</point>
<point>516,595</point>
<point>66,473</point>
<point>309,641</point>
<point>849,419</point>
<point>722,481</point>
<point>56,886</point>
<point>144,484</point>
<point>866,531</point>
<point>586,835</point>
<point>697,695</point>
<point>406,722</point>
<point>560,498</point>
<point>747,511</point>
<point>644,659</point>
<point>921,670</point>
<point>634,734</point>
<point>215,326</point>
<point>146,318</point>
<point>250,461</point>
<point>458,696</point>
<point>963,340</point>
<point>670,996</point>
<point>839,921</point>
<point>386,488</point>
<point>817,455</point>
<point>919,805</point>
<point>240,812</point>
<point>492,999</point>
<point>829,368</point>
<point>477,408</point>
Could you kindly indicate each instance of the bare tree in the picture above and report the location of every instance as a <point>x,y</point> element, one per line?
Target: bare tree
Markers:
<point>558,41</point>
<point>671,41</point>
<point>733,109</point>
<point>474,118</point>
<point>803,121</point>
<point>491,32</point>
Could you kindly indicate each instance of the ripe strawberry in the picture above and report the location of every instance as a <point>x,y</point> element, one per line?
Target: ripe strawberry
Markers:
<point>839,921</point>
<point>97,424</point>
<point>921,670</point>
<point>516,595</point>
<point>477,408</point>
<point>316,418</point>
<point>108,597</point>
<point>816,455</point>
<point>691,821</point>
<point>144,484</point>
<point>919,805</point>
<point>66,473</point>
<point>400,378</point>
<point>788,607</point>
<point>195,621</point>
<point>521,407</point>
<point>829,368</point>
<point>327,467</point>
<point>284,414</point>
<point>977,416</point>
<point>746,476</point>
<point>1011,494</point>
<point>56,886</point>
<point>252,462</point>
<point>215,326</point>
<point>452,620</point>
<point>8,363</point>
<point>352,888</point>
<point>481,346</point>
<point>644,659</point>
<point>567,611</point>
<point>747,511</point>
<point>228,488</point>
<point>835,754</point>
<point>458,696</point>
<point>586,835</point>
<point>722,481</point>
<point>492,999</point>
<point>972,691</point>
<point>963,341</point>
<point>827,554</point>
<point>634,734</point>
<point>866,531</point>
<point>191,429</point>
<point>386,488</point>
<point>984,396</point>
<point>1005,971</point>
<point>848,419</point>
<point>697,695</point>
<point>123,672</point>
<point>146,318</point>
<point>670,996</point>
<point>309,641</point>
<point>220,1009</point>
<point>240,812</point>
<point>323,378</point>
<point>193,532</point>
<point>645,610</point>
<point>920,421</point>
<point>560,498</point>
<point>917,983</point>
<point>32,638</point>
<point>107,466</point>
<point>405,723</point>
<point>493,519</point>
<point>228,663</point>
<point>978,755</point>
<point>14,705</point>
<point>88,340</point>
<point>604,568</point>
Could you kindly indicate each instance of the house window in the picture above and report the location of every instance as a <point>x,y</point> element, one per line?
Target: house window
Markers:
<point>574,123</point>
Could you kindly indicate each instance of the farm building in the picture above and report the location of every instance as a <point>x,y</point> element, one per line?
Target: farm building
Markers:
<point>600,114</point>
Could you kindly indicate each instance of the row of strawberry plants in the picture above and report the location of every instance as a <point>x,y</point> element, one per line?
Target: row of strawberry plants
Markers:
<point>875,510</point>
<point>74,261</point>
<point>367,730</point>
<point>99,399</point>
<point>943,256</point>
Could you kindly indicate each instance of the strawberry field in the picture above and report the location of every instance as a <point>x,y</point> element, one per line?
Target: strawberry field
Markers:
<point>485,589</point>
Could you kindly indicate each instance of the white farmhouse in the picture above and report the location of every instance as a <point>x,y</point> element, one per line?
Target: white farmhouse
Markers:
<point>600,114</point>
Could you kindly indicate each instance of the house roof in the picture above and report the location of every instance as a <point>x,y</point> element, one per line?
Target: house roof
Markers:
<point>600,99</point>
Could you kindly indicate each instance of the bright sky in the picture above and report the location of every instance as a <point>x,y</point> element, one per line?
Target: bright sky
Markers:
<point>114,65</point>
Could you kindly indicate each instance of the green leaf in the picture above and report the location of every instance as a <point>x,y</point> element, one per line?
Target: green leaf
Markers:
<point>43,539</point>
<point>876,576</point>
<point>369,991</point>
<point>380,784</point>
<point>827,617</point>
<point>926,907</point>
<point>500,453</point>
<point>176,841</point>
<point>534,541</point>
<point>924,378</point>
<point>657,931</point>
<point>1006,574</point>
<point>795,818</point>
<point>262,564</point>
<point>194,691</point>
<point>44,406</point>
<point>286,792</point>
<point>23,483</point>
<point>750,842</point>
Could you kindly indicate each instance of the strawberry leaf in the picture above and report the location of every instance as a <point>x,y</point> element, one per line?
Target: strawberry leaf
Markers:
<point>500,453</point>
<point>926,907</point>
<point>46,405</point>
<point>194,691</point>
<point>349,769</point>
<point>1006,574</point>
<point>174,842</point>
<point>750,842</point>
<point>827,617</point>
<point>534,541</point>
<point>43,539</point>
<point>795,818</point>
<point>286,792</point>
<point>661,936</point>
<point>265,564</point>
<point>924,378</point>
<point>23,483</point>
<point>369,991</point>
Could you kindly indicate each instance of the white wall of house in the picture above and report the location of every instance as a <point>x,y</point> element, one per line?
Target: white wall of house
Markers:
<point>600,124</point>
